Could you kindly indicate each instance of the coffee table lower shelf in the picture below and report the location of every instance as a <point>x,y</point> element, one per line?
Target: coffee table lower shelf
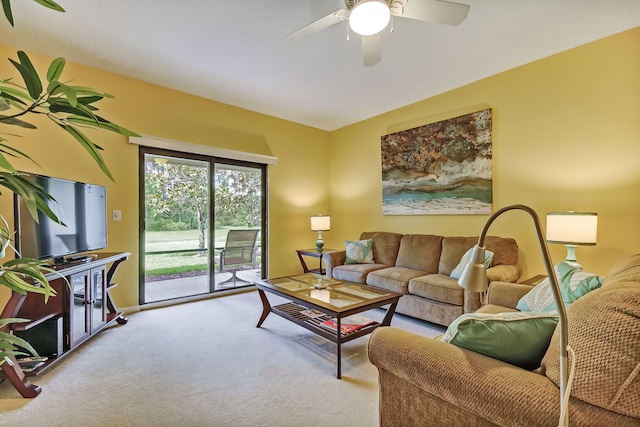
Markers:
<point>292,311</point>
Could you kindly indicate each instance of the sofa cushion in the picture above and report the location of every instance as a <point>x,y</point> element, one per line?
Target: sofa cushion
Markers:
<point>574,283</point>
<point>505,251</point>
<point>467,258</point>
<point>604,332</point>
<point>420,251</point>
<point>518,338</point>
<point>356,273</point>
<point>385,246</point>
<point>437,287</point>
<point>359,251</point>
<point>393,278</point>
<point>453,248</point>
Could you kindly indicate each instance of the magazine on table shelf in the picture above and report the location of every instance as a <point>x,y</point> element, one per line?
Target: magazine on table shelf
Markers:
<point>348,324</point>
<point>312,313</point>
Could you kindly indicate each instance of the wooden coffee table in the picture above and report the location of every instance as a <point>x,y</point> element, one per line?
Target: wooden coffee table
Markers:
<point>328,299</point>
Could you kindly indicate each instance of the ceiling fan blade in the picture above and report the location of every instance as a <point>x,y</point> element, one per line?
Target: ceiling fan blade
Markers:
<point>443,12</point>
<point>320,24</point>
<point>371,50</point>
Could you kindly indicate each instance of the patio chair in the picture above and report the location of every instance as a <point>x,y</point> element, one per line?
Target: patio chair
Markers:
<point>239,253</point>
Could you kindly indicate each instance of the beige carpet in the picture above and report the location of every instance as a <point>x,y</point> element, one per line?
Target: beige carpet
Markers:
<point>206,364</point>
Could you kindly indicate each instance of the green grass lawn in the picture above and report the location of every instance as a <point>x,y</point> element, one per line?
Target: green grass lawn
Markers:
<point>163,264</point>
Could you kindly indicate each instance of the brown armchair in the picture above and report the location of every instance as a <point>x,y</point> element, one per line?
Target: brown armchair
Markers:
<point>428,382</point>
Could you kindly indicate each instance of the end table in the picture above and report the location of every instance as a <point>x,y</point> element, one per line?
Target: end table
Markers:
<point>312,253</point>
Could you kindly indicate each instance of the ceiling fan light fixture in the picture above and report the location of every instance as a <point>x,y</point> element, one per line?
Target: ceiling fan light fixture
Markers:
<point>369,17</point>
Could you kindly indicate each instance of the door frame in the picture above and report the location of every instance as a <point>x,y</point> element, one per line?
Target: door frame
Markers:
<point>212,160</point>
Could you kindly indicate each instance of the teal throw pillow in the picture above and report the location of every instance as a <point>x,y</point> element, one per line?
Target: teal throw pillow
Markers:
<point>466,258</point>
<point>359,251</point>
<point>518,338</point>
<point>574,283</point>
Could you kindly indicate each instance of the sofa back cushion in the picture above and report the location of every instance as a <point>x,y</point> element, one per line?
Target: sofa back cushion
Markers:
<point>505,251</point>
<point>604,333</point>
<point>385,246</point>
<point>420,251</point>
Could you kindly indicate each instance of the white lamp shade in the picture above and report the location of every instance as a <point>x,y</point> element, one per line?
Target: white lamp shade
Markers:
<point>369,17</point>
<point>320,223</point>
<point>572,228</point>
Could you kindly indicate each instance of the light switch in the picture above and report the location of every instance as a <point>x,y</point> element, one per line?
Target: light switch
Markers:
<point>117,215</point>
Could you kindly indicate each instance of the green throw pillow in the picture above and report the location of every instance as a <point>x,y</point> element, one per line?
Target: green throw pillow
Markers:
<point>359,251</point>
<point>574,283</point>
<point>518,338</point>
<point>466,258</point>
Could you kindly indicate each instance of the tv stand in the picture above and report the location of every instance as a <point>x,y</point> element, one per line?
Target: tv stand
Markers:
<point>83,302</point>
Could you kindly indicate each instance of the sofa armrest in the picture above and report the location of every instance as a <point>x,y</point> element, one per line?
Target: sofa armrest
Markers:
<point>506,294</point>
<point>468,382</point>
<point>333,259</point>
<point>504,273</point>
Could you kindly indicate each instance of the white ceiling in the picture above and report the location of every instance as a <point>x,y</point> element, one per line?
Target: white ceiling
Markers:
<point>235,51</point>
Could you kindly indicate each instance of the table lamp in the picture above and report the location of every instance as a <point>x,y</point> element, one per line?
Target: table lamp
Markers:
<point>320,223</point>
<point>572,229</point>
<point>474,279</point>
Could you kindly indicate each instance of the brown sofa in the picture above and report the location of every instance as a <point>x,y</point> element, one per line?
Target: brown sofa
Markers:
<point>419,265</point>
<point>428,382</point>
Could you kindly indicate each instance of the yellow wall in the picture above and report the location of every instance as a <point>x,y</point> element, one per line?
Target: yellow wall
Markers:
<point>566,136</point>
<point>298,182</point>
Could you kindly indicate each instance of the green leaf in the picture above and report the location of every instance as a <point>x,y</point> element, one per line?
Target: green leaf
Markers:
<point>83,90</point>
<point>12,100</point>
<point>8,320</point>
<point>61,105</point>
<point>15,341</point>
<point>53,88</point>
<point>4,104</point>
<point>89,146</point>
<point>86,100</point>
<point>51,5</point>
<point>102,124</point>
<point>71,95</point>
<point>5,164</point>
<point>33,272</point>
<point>6,7</point>
<point>29,74</point>
<point>119,129</point>
<point>56,87</point>
<point>19,184</point>
<point>55,69</point>
<point>7,149</point>
<point>4,89</point>
<point>16,280</point>
<point>8,120</point>
<point>29,79</point>
<point>34,196</point>
<point>11,287</point>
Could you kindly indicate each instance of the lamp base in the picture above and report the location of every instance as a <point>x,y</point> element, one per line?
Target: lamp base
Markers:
<point>319,242</point>
<point>571,256</point>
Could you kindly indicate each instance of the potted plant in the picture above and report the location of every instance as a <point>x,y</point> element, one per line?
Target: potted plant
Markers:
<point>73,109</point>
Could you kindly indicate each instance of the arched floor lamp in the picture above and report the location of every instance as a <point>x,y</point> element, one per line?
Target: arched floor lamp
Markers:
<point>474,279</point>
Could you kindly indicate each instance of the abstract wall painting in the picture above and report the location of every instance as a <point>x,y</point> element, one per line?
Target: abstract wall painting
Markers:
<point>440,168</point>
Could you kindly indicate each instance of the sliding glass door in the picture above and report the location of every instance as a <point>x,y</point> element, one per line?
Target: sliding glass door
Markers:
<point>201,222</point>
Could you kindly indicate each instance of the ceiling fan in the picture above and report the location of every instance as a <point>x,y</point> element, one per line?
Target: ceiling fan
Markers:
<point>369,17</point>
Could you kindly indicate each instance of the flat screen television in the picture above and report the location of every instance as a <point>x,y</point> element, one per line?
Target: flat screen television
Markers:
<point>80,206</point>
